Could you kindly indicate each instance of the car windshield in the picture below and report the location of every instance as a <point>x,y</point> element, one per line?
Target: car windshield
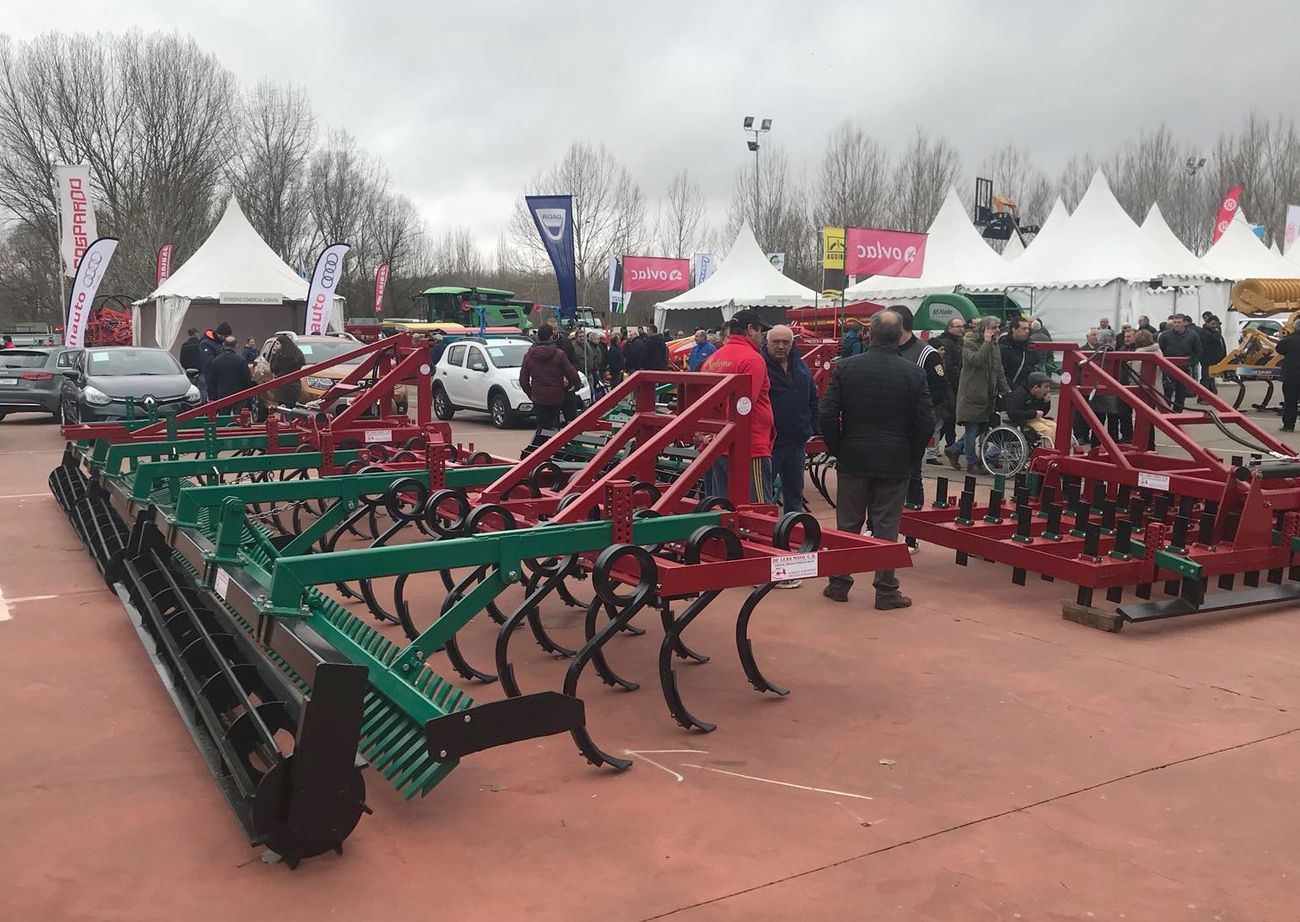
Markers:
<point>507,355</point>
<point>326,351</point>
<point>119,362</point>
<point>17,358</point>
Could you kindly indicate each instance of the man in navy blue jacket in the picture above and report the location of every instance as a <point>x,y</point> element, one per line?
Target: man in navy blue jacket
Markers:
<point>794,408</point>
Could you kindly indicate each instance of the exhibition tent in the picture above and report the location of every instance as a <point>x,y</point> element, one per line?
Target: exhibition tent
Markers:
<point>956,257</point>
<point>1240,254</point>
<point>1056,219</point>
<point>234,276</point>
<point>745,278</point>
<point>1015,246</point>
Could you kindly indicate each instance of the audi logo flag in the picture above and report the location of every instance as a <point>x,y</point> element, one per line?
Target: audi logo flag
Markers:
<point>883,252</point>
<point>90,272</point>
<point>324,280</point>
<point>655,273</point>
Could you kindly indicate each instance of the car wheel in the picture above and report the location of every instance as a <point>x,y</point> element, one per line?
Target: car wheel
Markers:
<point>442,407</point>
<point>502,416</point>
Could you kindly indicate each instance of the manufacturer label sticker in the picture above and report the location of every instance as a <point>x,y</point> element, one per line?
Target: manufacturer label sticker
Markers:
<point>794,566</point>
<point>1154,481</point>
<point>221,583</point>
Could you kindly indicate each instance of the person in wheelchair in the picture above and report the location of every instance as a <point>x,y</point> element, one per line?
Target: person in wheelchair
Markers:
<point>1028,405</point>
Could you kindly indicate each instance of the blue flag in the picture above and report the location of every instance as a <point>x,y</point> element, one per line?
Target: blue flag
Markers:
<point>553,215</point>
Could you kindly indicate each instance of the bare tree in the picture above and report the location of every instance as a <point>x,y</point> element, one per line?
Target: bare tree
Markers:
<point>853,180</point>
<point>681,217</point>
<point>779,219</point>
<point>268,169</point>
<point>921,180</point>
<point>1015,175</point>
<point>608,216</point>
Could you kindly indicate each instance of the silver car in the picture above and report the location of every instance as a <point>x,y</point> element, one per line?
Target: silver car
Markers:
<point>31,379</point>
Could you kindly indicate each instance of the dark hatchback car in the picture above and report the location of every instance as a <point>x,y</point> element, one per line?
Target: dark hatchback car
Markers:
<point>103,378</point>
<point>31,380</point>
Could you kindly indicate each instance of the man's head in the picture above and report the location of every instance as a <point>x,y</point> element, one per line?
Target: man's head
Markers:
<point>1130,336</point>
<point>250,342</point>
<point>853,325</point>
<point>956,326</point>
<point>1177,323</point>
<point>748,323</point>
<point>652,329</point>
<point>192,332</point>
<point>780,340</point>
<point>1039,384</point>
<point>886,328</point>
<point>1103,323</point>
<point>1020,329</point>
<point>1093,336</point>
<point>905,318</point>
<point>229,343</point>
<point>701,337</point>
<point>1144,321</point>
<point>1211,322</point>
<point>545,332</point>
<point>223,329</point>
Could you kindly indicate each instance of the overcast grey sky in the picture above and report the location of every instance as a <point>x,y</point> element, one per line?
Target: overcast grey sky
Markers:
<point>464,100</point>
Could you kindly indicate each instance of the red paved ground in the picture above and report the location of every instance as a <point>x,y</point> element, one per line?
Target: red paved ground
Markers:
<point>1016,765</point>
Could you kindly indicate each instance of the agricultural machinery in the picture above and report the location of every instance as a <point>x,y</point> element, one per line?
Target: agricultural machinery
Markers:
<point>1164,511</point>
<point>269,570</point>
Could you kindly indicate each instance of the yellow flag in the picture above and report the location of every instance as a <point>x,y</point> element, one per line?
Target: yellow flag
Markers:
<point>832,248</point>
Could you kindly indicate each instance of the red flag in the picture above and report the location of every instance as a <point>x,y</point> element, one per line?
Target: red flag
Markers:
<point>381,282</point>
<point>883,252</point>
<point>164,263</point>
<point>1227,211</point>
<point>654,273</point>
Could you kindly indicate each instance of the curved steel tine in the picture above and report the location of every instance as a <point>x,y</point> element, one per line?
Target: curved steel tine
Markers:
<point>668,675</point>
<point>679,646</point>
<point>596,654</point>
<point>452,647</point>
<point>745,647</point>
<point>367,586</point>
<point>533,593</point>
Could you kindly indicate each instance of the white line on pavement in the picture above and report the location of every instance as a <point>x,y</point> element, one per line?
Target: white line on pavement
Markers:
<point>784,784</point>
<point>26,495</point>
<point>6,605</point>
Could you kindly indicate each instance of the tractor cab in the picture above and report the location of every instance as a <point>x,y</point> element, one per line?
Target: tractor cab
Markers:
<point>456,305</point>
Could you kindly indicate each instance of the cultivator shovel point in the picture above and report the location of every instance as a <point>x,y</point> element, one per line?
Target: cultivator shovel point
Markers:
<point>246,540</point>
<point>1137,517</point>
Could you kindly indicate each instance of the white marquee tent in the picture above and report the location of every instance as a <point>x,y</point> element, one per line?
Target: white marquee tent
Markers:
<point>956,257</point>
<point>1239,254</point>
<point>1015,246</point>
<point>1056,219</point>
<point>745,278</point>
<point>1099,263</point>
<point>234,276</point>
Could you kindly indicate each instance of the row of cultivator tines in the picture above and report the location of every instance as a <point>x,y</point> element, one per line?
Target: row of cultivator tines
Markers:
<point>1163,512</point>
<point>272,572</point>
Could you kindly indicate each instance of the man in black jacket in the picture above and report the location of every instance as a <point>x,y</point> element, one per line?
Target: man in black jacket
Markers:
<point>209,349</point>
<point>930,360</point>
<point>1213,349</point>
<point>1289,348</point>
<point>1174,342</point>
<point>190,358</point>
<point>654,353</point>
<point>794,409</point>
<point>1018,360</point>
<point>876,418</point>
<point>228,373</point>
<point>949,342</point>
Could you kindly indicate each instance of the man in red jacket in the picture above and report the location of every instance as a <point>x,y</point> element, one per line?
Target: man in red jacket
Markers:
<point>741,355</point>
<point>546,376</point>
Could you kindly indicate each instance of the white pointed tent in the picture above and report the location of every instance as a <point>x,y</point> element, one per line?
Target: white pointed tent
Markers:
<point>1015,246</point>
<point>745,278</point>
<point>1239,254</point>
<point>234,276</point>
<point>956,257</point>
<point>1214,292</point>
<point>1100,264</point>
<point>1056,219</point>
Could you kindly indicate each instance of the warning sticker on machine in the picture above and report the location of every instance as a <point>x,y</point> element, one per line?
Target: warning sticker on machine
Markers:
<point>378,435</point>
<point>1154,481</point>
<point>221,583</point>
<point>794,566</point>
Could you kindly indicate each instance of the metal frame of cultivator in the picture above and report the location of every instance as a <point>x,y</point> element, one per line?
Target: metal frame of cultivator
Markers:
<point>225,539</point>
<point>1136,516</point>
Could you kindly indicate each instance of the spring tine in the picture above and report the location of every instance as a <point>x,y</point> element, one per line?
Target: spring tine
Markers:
<point>1108,512</point>
<point>1053,529</point>
<point>1178,537</point>
<point>1123,537</point>
<point>940,493</point>
<point>1185,506</point>
<point>995,507</point>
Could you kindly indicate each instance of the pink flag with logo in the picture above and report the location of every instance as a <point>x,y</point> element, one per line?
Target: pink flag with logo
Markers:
<point>655,273</point>
<point>1226,212</point>
<point>868,251</point>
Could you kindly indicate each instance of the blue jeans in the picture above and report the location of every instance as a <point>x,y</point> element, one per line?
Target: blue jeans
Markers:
<point>970,443</point>
<point>788,463</point>
<point>760,481</point>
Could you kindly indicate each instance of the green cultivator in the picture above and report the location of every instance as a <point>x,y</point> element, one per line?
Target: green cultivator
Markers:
<point>242,553</point>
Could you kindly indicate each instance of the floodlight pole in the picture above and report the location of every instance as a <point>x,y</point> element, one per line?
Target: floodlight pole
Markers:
<point>755,127</point>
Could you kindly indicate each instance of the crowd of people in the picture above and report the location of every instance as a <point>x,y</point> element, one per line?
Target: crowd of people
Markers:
<point>224,368</point>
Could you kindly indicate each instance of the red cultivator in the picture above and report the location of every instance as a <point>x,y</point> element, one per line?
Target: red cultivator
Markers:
<point>1163,511</point>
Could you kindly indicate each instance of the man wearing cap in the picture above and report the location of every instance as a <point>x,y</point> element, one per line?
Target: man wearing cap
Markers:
<point>851,341</point>
<point>1028,405</point>
<point>741,355</point>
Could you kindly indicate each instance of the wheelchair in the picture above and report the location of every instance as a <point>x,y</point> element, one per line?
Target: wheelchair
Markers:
<point>1004,450</point>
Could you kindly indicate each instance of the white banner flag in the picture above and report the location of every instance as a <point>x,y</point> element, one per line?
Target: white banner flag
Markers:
<point>324,280</point>
<point>94,263</point>
<point>1292,226</point>
<point>704,266</point>
<point>76,214</point>
<point>618,298</point>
